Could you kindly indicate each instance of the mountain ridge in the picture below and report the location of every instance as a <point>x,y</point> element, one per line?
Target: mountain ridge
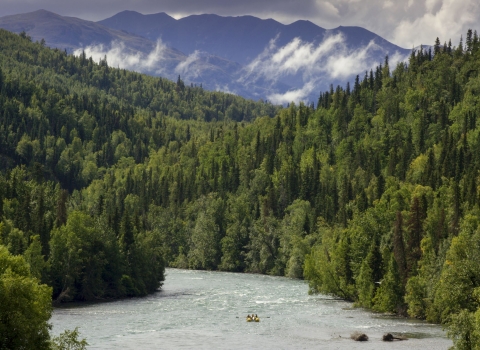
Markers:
<point>68,33</point>
<point>252,57</point>
<point>247,35</point>
<point>73,34</point>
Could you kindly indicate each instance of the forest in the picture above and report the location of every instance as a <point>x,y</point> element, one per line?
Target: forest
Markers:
<point>107,176</point>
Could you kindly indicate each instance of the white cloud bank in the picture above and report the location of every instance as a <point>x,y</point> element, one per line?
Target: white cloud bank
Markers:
<point>328,61</point>
<point>304,66</point>
<point>119,56</point>
<point>157,62</point>
<point>188,67</point>
<point>293,95</point>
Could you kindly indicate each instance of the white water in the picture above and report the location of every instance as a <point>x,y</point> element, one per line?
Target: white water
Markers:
<point>206,310</point>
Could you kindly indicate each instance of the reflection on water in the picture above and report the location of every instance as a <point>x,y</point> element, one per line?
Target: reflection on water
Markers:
<point>206,310</point>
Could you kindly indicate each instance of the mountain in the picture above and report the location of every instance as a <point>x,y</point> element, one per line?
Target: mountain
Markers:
<point>131,21</point>
<point>248,56</point>
<point>300,55</point>
<point>70,33</point>
<point>239,39</point>
<point>127,50</point>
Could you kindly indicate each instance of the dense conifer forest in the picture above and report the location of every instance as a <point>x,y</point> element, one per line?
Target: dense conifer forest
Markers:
<point>107,176</point>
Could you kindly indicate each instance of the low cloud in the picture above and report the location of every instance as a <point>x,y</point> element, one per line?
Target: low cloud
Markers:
<point>225,88</point>
<point>156,62</point>
<point>118,55</point>
<point>331,57</point>
<point>344,64</point>
<point>295,57</point>
<point>312,67</point>
<point>306,67</point>
<point>187,67</point>
<point>293,95</point>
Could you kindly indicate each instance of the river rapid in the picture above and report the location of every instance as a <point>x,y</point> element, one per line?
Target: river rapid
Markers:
<point>207,310</point>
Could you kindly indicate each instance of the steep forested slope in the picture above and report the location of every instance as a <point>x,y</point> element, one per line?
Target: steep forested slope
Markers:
<point>67,121</point>
<point>406,147</point>
<point>372,196</point>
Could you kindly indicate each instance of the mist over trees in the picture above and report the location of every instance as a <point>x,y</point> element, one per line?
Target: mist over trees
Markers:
<point>108,176</point>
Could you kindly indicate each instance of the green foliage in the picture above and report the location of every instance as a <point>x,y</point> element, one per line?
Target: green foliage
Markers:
<point>365,282</point>
<point>77,259</point>
<point>328,266</point>
<point>205,232</point>
<point>68,340</point>
<point>263,247</point>
<point>464,330</point>
<point>25,305</point>
<point>389,296</point>
<point>294,243</point>
<point>88,262</point>
<point>33,256</point>
<point>238,221</point>
<point>460,275</point>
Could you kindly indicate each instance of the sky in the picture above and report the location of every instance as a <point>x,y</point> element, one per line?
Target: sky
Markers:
<point>407,23</point>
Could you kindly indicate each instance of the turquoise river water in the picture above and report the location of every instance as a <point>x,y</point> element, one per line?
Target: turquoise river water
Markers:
<point>206,310</point>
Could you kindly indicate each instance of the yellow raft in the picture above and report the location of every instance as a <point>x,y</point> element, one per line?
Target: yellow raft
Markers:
<point>253,319</point>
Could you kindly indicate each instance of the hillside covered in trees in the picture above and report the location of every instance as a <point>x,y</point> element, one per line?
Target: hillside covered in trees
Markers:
<point>108,176</point>
<point>66,123</point>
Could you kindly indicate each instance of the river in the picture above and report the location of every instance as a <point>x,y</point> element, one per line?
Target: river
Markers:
<point>206,310</point>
